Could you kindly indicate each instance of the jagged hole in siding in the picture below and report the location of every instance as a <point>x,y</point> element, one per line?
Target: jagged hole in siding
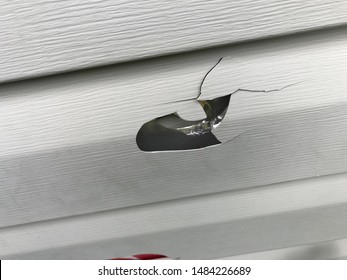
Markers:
<point>171,132</point>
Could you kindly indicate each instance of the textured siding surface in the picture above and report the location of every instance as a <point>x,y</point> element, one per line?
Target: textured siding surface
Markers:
<point>73,183</point>
<point>45,36</point>
<point>204,227</point>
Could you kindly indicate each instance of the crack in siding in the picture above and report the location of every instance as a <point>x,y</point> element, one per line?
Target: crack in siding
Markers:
<point>171,132</point>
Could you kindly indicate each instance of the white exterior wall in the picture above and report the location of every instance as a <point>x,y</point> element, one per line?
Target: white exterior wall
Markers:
<point>73,183</point>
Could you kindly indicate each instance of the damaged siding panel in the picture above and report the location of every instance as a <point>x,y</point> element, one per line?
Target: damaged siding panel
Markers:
<point>45,37</point>
<point>67,143</point>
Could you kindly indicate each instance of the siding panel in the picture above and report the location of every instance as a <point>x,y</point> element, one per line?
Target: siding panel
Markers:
<point>44,37</point>
<point>68,142</point>
<point>231,223</point>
